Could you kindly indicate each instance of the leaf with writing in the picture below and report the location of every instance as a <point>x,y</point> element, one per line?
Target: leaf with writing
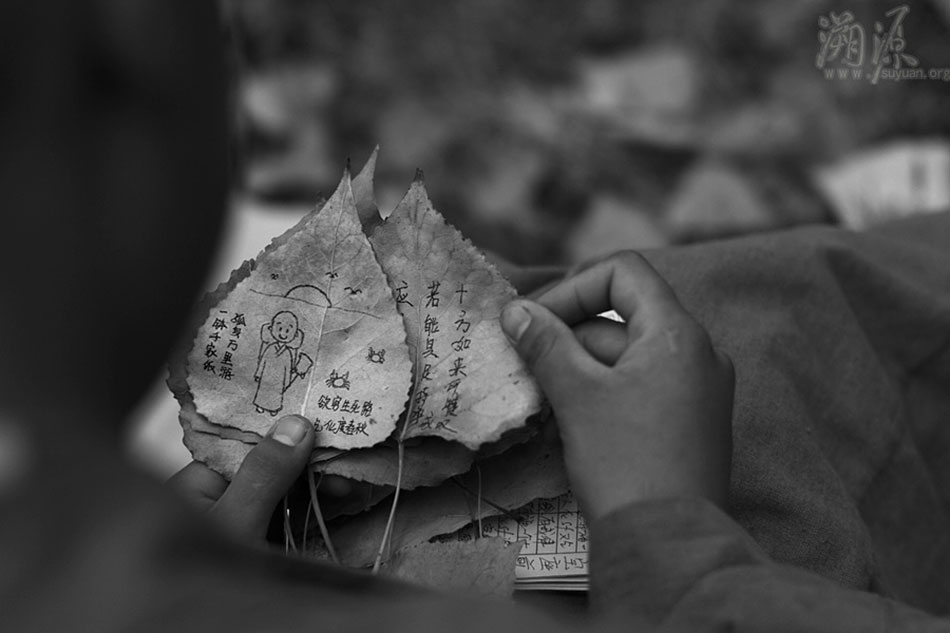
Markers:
<point>310,327</point>
<point>470,386</point>
<point>484,566</point>
<point>221,448</point>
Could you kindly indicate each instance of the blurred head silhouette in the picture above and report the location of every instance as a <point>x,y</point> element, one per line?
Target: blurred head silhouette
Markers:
<point>113,177</point>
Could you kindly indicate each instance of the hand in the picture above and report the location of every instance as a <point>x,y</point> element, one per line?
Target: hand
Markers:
<point>244,507</point>
<point>643,408</point>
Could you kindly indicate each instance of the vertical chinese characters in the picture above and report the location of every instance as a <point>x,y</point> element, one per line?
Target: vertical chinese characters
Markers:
<point>841,39</point>
<point>445,365</point>
<point>227,335</point>
<point>457,370</point>
<point>553,535</point>
<point>889,44</point>
<point>234,336</point>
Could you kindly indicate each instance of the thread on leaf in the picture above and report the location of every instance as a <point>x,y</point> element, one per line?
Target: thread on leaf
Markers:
<point>306,526</point>
<point>315,504</point>
<point>289,543</point>
<point>478,501</point>
<point>387,532</point>
<point>504,511</point>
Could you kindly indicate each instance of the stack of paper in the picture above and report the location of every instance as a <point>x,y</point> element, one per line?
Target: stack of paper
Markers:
<point>554,536</point>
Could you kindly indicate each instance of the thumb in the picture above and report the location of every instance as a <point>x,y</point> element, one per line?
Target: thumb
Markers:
<point>548,346</point>
<point>265,476</point>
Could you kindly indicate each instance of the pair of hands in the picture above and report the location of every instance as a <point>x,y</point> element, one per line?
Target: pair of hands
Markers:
<point>643,407</point>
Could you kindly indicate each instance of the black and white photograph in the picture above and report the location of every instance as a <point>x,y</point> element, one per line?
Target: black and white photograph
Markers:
<point>496,316</point>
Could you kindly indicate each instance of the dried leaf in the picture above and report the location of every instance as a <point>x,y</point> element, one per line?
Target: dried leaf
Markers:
<point>506,482</point>
<point>208,443</point>
<point>222,455</point>
<point>431,461</point>
<point>201,425</point>
<point>310,328</point>
<point>361,499</point>
<point>485,566</point>
<point>427,461</point>
<point>470,385</point>
<point>365,196</point>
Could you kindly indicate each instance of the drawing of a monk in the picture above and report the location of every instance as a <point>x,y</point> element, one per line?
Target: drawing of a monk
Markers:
<point>279,361</point>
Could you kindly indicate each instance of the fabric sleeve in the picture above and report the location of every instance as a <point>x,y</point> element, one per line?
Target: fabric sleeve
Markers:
<point>684,564</point>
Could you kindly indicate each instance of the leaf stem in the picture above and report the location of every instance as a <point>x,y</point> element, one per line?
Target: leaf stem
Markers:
<point>387,532</point>
<point>478,502</point>
<point>289,543</point>
<point>315,504</point>
<point>400,442</point>
<point>503,511</point>
<point>306,526</point>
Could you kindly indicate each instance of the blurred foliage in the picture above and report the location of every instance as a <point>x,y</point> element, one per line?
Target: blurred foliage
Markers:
<point>528,115</point>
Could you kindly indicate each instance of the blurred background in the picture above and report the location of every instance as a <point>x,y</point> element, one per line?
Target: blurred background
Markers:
<point>553,131</point>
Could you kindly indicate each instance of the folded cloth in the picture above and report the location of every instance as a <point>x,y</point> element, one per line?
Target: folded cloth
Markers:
<point>683,565</point>
<point>841,343</point>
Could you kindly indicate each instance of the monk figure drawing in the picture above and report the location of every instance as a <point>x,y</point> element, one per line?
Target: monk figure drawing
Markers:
<point>279,362</point>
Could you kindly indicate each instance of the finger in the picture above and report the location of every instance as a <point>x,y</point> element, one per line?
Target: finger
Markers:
<point>603,339</point>
<point>198,485</point>
<point>265,476</point>
<point>543,288</point>
<point>590,263</point>
<point>549,348</point>
<point>624,282</point>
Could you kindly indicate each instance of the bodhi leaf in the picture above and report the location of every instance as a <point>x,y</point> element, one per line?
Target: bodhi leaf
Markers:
<point>310,328</point>
<point>470,386</point>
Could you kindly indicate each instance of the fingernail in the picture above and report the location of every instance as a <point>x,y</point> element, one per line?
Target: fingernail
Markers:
<point>515,319</point>
<point>290,430</point>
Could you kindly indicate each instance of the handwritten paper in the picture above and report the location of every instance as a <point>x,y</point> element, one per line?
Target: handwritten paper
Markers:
<point>554,541</point>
